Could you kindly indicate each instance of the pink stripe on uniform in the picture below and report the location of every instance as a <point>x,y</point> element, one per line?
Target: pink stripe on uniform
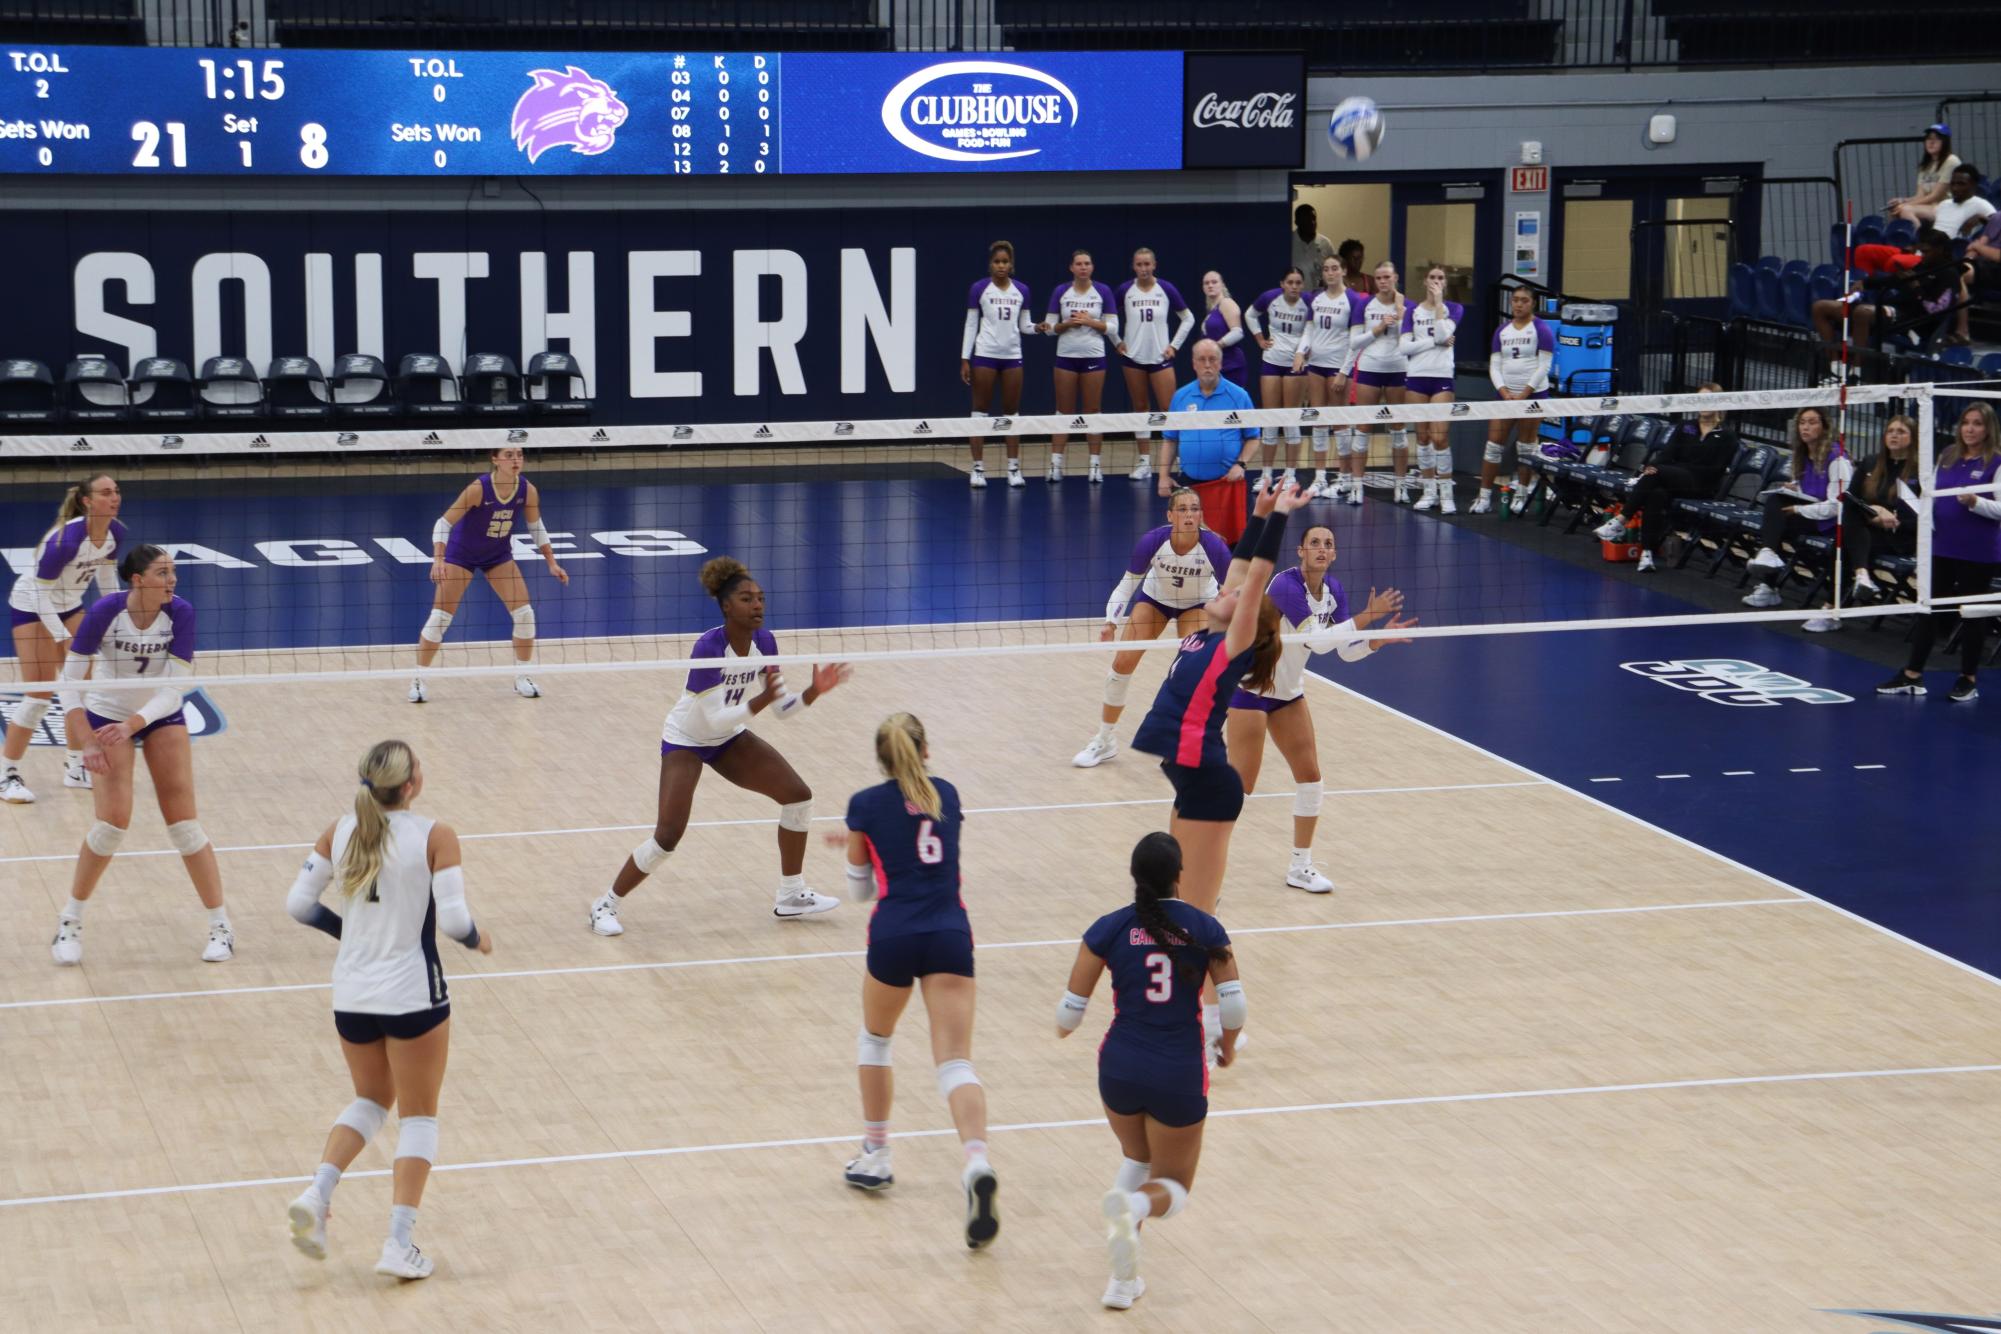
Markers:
<point>1201,703</point>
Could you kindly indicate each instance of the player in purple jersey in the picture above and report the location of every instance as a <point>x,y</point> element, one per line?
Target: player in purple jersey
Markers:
<point>44,608</point>
<point>1224,323</point>
<point>476,536</point>
<point>990,355</point>
<point>143,641</point>
<point>708,726</point>
<point>1146,349</point>
<point>903,843</point>
<point>1430,333</point>
<point>1081,316</point>
<point>1153,1071</point>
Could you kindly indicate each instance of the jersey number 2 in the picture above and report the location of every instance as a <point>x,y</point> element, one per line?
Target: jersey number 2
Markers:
<point>1161,966</point>
<point>930,848</point>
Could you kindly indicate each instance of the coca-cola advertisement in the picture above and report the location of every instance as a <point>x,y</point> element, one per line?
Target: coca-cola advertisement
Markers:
<point>1243,109</point>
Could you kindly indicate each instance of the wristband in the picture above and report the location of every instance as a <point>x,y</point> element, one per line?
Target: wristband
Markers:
<point>1247,545</point>
<point>1271,539</point>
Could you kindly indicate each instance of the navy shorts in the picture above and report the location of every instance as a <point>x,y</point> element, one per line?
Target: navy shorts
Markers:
<point>897,961</point>
<point>1205,792</point>
<point>362,1029</point>
<point>1167,1106</point>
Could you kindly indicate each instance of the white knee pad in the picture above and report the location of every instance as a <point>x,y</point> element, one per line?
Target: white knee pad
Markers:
<point>1399,437</point>
<point>1492,453</point>
<point>650,857</point>
<point>1268,434</point>
<point>28,713</point>
<point>871,1050</point>
<point>1353,442</point>
<point>104,839</point>
<point>417,1137</point>
<point>364,1118</point>
<point>1306,800</point>
<point>955,1075</point>
<point>797,817</point>
<point>435,626</point>
<point>1115,689</point>
<point>1424,456</point>
<point>524,621</point>
<point>1292,435</point>
<point>1177,1195</point>
<point>1320,439</point>
<point>187,837</point>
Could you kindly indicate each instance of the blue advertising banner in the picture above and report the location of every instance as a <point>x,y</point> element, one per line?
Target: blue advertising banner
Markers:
<point>676,316</point>
<point>159,111</point>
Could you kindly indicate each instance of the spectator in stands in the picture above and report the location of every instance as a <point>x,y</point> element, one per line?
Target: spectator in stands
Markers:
<point>1691,466</point>
<point>1914,288</point>
<point>1309,247</point>
<point>1807,504</point>
<point>1877,518</point>
<point>1358,277</point>
<point>1966,553</point>
<point>1211,461</point>
<point>1983,252</point>
<point>1963,215</point>
<point>1935,167</point>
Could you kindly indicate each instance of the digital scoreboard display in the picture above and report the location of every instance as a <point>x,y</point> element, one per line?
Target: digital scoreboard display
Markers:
<point>103,110</point>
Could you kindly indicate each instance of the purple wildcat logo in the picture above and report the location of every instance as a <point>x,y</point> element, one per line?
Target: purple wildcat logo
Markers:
<point>566,110</point>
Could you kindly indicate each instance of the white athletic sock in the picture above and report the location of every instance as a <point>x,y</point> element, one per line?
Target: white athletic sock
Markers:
<point>219,917</point>
<point>791,884</point>
<point>1132,1175</point>
<point>72,758</point>
<point>875,1135</point>
<point>402,1219</point>
<point>1106,731</point>
<point>1486,491</point>
<point>324,1181</point>
<point>976,1153</point>
<point>1302,856</point>
<point>73,911</point>
<point>1056,457</point>
<point>979,465</point>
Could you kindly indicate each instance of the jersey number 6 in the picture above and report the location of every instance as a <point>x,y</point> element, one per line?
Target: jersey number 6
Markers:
<point>930,848</point>
<point>1162,968</point>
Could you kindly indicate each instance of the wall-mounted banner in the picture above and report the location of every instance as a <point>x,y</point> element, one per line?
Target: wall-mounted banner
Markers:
<point>1243,109</point>
<point>166,112</point>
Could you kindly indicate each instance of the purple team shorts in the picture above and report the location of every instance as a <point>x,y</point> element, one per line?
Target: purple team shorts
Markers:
<point>1080,365</point>
<point>1148,367</point>
<point>706,754</point>
<point>1325,372</point>
<point>16,617</point>
<point>1244,699</point>
<point>1428,384</point>
<point>1380,379</point>
<point>1277,371</point>
<point>174,719</point>
<point>1172,614</point>
<point>478,566</point>
<point>996,363</point>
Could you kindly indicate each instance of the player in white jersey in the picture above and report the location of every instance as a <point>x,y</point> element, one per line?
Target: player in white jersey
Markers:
<point>1084,316</point>
<point>1285,313</point>
<point>1524,347</point>
<point>1430,332</point>
<point>1314,617</point>
<point>990,353</point>
<point>1323,355</point>
<point>44,607</point>
<point>134,646</point>
<point>1174,571</point>
<point>400,876</point>
<point>706,727</point>
<point>1377,367</point>
<point>1146,349</point>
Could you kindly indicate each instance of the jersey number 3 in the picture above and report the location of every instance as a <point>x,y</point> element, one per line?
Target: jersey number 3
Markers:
<point>1161,966</point>
<point>930,848</point>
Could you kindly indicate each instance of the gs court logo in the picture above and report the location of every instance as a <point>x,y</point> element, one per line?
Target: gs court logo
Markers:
<point>1734,682</point>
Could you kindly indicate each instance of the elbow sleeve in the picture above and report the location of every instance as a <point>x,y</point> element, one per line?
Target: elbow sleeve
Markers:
<point>1230,1003</point>
<point>441,532</point>
<point>1232,338</point>
<point>1121,599</point>
<point>448,890</point>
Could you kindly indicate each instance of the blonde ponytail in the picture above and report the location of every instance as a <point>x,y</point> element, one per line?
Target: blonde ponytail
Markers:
<point>899,749</point>
<point>73,501</point>
<point>383,772</point>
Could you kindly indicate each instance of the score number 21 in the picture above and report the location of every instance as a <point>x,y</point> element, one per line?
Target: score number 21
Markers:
<point>312,144</point>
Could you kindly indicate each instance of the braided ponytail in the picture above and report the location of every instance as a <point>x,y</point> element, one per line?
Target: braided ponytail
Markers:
<point>1156,873</point>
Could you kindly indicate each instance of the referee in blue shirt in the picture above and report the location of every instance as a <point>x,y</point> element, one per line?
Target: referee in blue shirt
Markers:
<point>1210,461</point>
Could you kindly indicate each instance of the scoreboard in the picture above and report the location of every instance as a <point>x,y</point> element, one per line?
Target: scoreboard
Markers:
<point>101,110</point>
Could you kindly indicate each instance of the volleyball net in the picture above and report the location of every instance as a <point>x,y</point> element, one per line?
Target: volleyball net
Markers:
<point>309,554</point>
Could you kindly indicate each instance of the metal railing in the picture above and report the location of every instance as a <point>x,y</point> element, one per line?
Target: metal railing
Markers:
<point>1796,218</point>
<point>1976,130</point>
<point>1869,173</point>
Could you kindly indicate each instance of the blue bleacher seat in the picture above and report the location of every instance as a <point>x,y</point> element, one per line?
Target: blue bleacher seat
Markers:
<point>1743,291</point>
<point>1991,364</point>
<point>1900,232</point>
<point>27,392</point>
<point>1873,221</point>
<point>1799,266</point>
<point>1770,305</point>
<point>1956,356</point>
<point>1827,271</point>
<point>1797,303</point>
<point>1772,262</point>
<point>1868,235</point>
<point>1820,288</point>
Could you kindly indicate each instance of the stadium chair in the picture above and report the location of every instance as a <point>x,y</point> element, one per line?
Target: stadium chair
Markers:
<point>1640,440</point>
<point>423,380</point>
<point>1868,235</point>
<point>1991,364</point>
<point>1873,221</point>
<point>491,387</point>
<point>229,389</point>
<point>1563,478</point>
<point>93,390</point>
<point>1743,291</point>
<point>1751,471</point>
<point>163,390</point>
<point>296,389</point>
<point>558,375</point>
<point>1770,306</point>
<point>1830,272</point>
<point>1956,356</point>
<point>361,388</point>
<point>27,393</point>
<point>1796,299</point>
<point>1902,232</point>
<point>1821,287</point>
<point>1799,266</point>
<point>1772,263</point>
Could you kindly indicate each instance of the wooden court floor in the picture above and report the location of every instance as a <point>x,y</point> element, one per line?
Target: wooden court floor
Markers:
<point>1534,1066</point>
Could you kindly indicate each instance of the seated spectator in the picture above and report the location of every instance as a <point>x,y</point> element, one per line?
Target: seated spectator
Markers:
<point>1691,466</point>
<point>1806,504</point>
<point>1966,554</point>
<point>1915,289</point>
<point>1983,252</point>
<point>1935,166</point>
<point>1960,217</point>
<point>1876,517</point>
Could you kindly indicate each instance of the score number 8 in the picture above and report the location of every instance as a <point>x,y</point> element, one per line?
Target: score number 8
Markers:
<point>313,145</point>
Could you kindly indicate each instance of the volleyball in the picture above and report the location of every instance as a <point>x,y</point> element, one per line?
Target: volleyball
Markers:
<point>1355,128</point>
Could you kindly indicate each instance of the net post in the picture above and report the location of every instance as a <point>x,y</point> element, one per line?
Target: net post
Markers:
<point>1928,472</point>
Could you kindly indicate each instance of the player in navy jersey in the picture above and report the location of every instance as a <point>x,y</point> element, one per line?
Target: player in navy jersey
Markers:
<point>475,536</point>
<point>1084,317</point>
<point>707,727</point>
<point>44,608</point>
<point>1224,324</point>
<point>1153,1070</point>
<point>903,850</point>
<point>990,353</point>
<point>143,643</point>
<point>1430,333</point>
<point>1146,349</point>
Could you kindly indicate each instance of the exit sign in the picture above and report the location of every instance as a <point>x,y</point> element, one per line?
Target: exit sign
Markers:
<point>1530,181</point>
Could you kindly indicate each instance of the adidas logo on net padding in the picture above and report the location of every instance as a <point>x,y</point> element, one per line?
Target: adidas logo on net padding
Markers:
<point>431,438</point>
<point>1384,414</point>
<point>1232,420</point>
<point>600,436</point>
<point>922,428</point>
<point>1532,408</point>
<point>1077,422</point>
<point>259,442</point>
<point>761,433</point>
<point>80,446</point>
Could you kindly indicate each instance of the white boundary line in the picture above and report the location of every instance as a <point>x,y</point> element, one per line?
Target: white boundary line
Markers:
<point>823,819</point>
<point>675,965</point>
<point>811,1141</point>
<point>1729,861</point>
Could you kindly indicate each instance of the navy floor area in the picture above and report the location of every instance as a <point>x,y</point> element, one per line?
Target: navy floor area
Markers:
<point>1882,806</point>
